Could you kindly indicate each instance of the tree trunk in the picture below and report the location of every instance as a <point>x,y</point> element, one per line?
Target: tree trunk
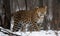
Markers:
<point>40,2</point>
<point>7,18</point>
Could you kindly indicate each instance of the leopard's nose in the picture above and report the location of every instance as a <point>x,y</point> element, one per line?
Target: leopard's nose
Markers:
<point>41,14</point>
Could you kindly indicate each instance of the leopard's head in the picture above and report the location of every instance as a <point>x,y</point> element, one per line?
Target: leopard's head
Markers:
<point>41,12</point>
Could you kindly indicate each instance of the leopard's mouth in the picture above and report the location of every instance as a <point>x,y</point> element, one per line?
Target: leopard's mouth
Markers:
<point>40,20</point>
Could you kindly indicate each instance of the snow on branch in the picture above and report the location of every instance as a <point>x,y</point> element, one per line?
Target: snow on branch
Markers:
<point>6,31</point>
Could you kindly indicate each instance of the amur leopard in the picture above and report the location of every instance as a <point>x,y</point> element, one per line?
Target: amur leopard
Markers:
<point>29,17</point>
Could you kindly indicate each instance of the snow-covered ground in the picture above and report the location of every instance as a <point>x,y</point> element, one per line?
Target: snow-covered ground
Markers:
<point>39,33</point>
<point>2,34</point>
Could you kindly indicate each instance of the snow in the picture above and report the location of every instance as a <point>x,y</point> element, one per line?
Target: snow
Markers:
<point>2,34</point>
<point>41,33</point>
<point>36,33</point>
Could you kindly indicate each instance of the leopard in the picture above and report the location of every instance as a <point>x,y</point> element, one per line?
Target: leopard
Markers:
<point>30,18</point>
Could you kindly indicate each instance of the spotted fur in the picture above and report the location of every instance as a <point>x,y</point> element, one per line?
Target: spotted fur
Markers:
<point>31,17</point>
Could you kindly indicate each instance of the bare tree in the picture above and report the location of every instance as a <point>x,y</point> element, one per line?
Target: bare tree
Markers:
<point>7,18</point>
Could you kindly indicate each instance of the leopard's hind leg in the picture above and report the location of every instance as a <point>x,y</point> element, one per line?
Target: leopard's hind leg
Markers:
<point>17,25</point>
